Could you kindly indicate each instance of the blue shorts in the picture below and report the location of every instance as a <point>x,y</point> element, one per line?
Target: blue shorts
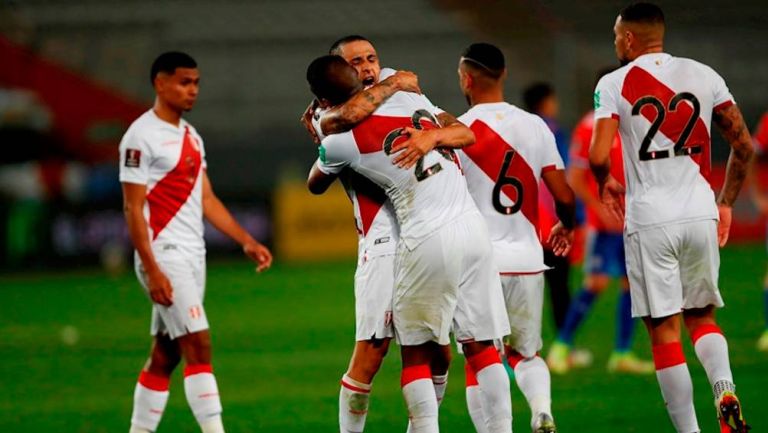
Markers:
<point>605,254</point>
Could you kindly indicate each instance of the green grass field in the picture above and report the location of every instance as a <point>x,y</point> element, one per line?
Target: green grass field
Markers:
<point>282,341</point>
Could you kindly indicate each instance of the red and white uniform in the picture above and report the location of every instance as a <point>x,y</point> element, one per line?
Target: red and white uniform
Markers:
<point>442,260</point>
<point>513,148</point>
<point>582,137</point>
<point>170,161</point>
<point>664,105</point>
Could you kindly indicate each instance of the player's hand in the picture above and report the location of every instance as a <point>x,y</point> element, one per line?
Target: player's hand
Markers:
<point>724,225</point>
<point>306,120</point>
<point>608,220</point>
<point>160,289</point>
<point>418,144</point>
<point>259,254</point>
<point>761,203</point>
<point>612,196</point>
<point>560,239</point>
<point>406,81</point>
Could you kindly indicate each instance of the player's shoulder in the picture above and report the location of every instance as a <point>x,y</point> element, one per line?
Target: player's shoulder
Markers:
<point>340,139</point>
<point>615,77</point>
<point>140,129</point>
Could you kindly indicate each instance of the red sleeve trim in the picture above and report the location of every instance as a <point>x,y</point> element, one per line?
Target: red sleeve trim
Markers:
<point>615,116</point>
<point>723,105</point>
<point>548,168</point>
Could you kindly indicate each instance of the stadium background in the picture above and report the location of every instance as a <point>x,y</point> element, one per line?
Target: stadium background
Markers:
<point>73,74</point>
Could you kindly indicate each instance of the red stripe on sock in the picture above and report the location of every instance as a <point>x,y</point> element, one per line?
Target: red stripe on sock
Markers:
<point>414,373</point>
<point>355,388</point>
<point>153,382</point>
<point>470,375</point>
<point>197,369</point>
<point>702,330</point>
<point>514,358</point>
<point>668,355</point>
<point>488,356</point>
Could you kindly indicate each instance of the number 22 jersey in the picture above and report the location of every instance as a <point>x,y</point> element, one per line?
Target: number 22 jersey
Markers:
<point>664,106</point>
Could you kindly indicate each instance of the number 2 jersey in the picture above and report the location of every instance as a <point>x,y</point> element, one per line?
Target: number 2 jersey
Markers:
<point>426,197</point>
<point>664,106</point>
<point>512,149</point>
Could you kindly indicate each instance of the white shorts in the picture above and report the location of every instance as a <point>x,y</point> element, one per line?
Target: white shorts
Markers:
<point>187,276</point>
<point>524,296</point>
<point>449,281</point>
<point>672,268</point>
<point>374,283</point>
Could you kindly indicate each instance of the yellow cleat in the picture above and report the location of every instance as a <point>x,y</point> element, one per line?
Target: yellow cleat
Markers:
<point>762,342</point>
<point>629,363</point>
<point>729,414</point>
<point>557,359</point>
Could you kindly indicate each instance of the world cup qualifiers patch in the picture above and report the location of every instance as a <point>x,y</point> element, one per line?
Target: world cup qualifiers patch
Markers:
<point>132,158</point>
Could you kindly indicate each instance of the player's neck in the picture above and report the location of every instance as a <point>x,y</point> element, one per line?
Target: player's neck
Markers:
<point>651,48</point>
<point>166,113</point>
<point>489,97</point>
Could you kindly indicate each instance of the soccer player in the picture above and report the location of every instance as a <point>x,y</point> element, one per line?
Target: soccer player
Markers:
<point>513,152</point>
<point>166,194</point>
<point>377,228</point>
<point>760,198</point>
<point>662,107</point>
<point>444,275</point>
<point>604,258</point>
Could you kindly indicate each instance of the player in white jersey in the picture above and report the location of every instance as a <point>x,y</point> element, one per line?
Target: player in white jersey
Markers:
<point>444,276</point>
<point>376,226</point>
<point>662,107</point>
<point>166,194</point>
<point>513,151</point>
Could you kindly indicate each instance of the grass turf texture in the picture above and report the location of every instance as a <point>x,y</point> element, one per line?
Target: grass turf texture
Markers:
<point>282,341</point>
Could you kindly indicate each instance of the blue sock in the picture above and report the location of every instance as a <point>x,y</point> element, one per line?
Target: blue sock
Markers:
<point>625,325</point>
<point>765,299</point>
<point>575,315</point>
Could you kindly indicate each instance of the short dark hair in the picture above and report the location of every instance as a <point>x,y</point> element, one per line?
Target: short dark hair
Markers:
<point>336,47</point>
<point>643,13</point>
<point>324,81</point>
<point>168,62</point>
<point>534,94</point>
<point>488,59</point>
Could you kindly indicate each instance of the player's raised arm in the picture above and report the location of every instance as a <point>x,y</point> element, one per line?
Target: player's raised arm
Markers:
<point>318,181</point>
<point>453,135</point>
<point>731,124</point>
<point>220,217</point>
<point>134,195</point>
<point>347,115</point>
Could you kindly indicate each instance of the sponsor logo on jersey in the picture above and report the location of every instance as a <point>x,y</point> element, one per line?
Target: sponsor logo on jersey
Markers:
<point>596,99</point>
<point>132,158</point>
<point>383,240</point>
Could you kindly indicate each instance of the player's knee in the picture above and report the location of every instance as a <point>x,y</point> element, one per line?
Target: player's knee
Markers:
<point>441,360</point>
<point>196,348</point>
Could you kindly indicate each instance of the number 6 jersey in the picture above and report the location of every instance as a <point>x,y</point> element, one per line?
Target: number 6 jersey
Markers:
<point>512,149</point>
<point>664,106</point>
<point>425,197</point>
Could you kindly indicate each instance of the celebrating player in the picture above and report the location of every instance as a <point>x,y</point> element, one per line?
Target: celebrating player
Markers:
<point>444,273</point>
<point>513,151</point>
<point>662,107</point>
<point>604,259</point>
<point>166,194</point>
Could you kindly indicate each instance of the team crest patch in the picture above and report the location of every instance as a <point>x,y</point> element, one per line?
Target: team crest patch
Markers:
<point>132,158</point>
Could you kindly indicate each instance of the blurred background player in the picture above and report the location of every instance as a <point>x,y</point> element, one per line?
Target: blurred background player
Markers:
<point>434,292</point>
<point>760,199</point>
<point>166,194</point>
<point>663,106</point>
<point>604,258</point>
<point>513,151</point>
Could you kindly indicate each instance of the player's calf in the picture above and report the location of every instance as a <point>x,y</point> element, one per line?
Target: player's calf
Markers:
<point>533,379</point>
<point>356,383</point>
<point>418,389</point>
<point>200,385</point>
<point>493,381</point>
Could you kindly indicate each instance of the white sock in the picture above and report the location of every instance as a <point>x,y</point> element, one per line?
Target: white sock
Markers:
<point>532,377</point>
<point>149,399</point>
<point>419,393</point>
<point>440,382</point>
<point>353,405</point>
<point>712,351</point>
<point>474,400</point>
<point>494,383</point>
<point>203,397</point>
<point>676,386</point>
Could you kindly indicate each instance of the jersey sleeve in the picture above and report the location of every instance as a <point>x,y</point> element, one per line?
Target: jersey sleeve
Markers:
<point>337,152</point>
<point>135,158</point>
<point>550,157</point>
<point>761,135</point>
<point>606,98</point>
<point>722,97</point>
